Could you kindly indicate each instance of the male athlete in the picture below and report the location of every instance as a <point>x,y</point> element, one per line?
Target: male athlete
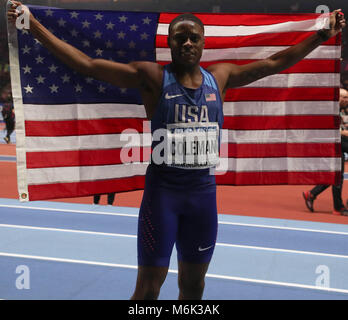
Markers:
<point>179,202</point>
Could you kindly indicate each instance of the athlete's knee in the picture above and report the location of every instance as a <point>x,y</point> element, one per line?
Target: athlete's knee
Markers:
<point>191,288</point>
<point>147,291</point>
<point>152,293</point>
<point>149,283</point>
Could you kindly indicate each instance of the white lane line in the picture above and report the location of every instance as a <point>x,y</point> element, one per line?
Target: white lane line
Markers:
<point>11,226</point>
<point>208,275</point>
<point>329,255</point>
<point>220,222</point>
<point>69,210</point>
<point>96,263</point>
<point>68,230</point>
<point>284,228</point>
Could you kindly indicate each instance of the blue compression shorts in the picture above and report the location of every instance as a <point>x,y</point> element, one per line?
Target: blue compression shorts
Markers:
<point>168,216</point>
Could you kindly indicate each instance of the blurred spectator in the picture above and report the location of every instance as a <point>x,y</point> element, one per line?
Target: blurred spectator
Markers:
<point>311,195</point>
<point>8,112</point>
<point>344,108</point>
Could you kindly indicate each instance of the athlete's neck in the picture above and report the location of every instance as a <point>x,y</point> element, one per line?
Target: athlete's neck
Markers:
<point>189,77</point>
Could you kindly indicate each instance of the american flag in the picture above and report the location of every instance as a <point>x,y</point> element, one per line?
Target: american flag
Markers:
<point>282,129</point>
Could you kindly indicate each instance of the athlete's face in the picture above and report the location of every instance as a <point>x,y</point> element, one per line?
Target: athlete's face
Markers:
<point>186,41</point>
<point>343,98</point>
<point>6,95</point>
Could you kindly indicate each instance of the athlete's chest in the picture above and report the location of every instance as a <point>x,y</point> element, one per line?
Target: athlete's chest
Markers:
<point>181,105</point>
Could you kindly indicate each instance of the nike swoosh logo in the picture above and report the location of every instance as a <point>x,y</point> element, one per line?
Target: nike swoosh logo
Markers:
<point>203,249</point>
<point>167,96</point>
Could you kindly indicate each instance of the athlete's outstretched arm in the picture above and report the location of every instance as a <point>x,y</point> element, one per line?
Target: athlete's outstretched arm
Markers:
<point>231,75</point>
<point>118,74</point>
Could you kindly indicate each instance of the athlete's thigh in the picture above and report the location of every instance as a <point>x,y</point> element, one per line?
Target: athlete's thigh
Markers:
<point>157,227</point>
<point>197,228</point>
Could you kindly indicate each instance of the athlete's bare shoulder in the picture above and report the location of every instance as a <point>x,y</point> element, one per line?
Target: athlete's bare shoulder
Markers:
<point>150,75</point>
<point>222,71</point>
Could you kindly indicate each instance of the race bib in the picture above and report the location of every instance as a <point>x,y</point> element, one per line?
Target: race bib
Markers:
<point>193,145</point>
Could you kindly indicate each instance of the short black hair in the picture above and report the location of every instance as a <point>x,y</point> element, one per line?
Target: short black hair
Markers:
<point>185,17</point>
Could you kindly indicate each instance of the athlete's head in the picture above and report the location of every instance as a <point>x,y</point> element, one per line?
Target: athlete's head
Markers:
<point>185,17</point>
<point>6,95</point>
<point>186,39</point>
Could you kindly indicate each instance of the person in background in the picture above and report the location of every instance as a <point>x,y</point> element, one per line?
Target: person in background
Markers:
<point>111,198</point>
<point>344,108</point>
<point>311,195</point>
<point>343,99</point>
<point>8,113</point>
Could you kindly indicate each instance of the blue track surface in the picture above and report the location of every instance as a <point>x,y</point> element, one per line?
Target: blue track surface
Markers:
<point>76,251</point>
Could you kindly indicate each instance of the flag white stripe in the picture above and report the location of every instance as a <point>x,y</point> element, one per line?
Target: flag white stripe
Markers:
<point>293,80</point>
<point>278,165</point>
<point>97,142</point>
<point>230,31</point>
<point>92,173</point>
<point>108,111</point>
<point>82,111</point>
<point>280,108</point>
<point>283,136</point>
<point>88,173</point>
<point>242,53</point>
<point>87,142</point>
<point>284,164</point>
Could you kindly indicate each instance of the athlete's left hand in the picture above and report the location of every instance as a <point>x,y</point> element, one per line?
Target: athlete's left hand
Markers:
<point>337,23</point>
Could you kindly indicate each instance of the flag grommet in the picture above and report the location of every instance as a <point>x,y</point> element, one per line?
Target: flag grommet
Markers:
<point>24,196</point>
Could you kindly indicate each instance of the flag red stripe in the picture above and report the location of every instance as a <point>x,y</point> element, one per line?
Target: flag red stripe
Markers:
<point>81,127</point>
<point>278,178</point>
<point>235,19</point>
<point>263,39</point>
<point>74,158</point>
<point>91,127</point>
<point>279,150</point>
<point>85,188</point>
<point>282,94</point>
<point>281,122</point>
<point>113,156</point>
<point>304,66</point>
